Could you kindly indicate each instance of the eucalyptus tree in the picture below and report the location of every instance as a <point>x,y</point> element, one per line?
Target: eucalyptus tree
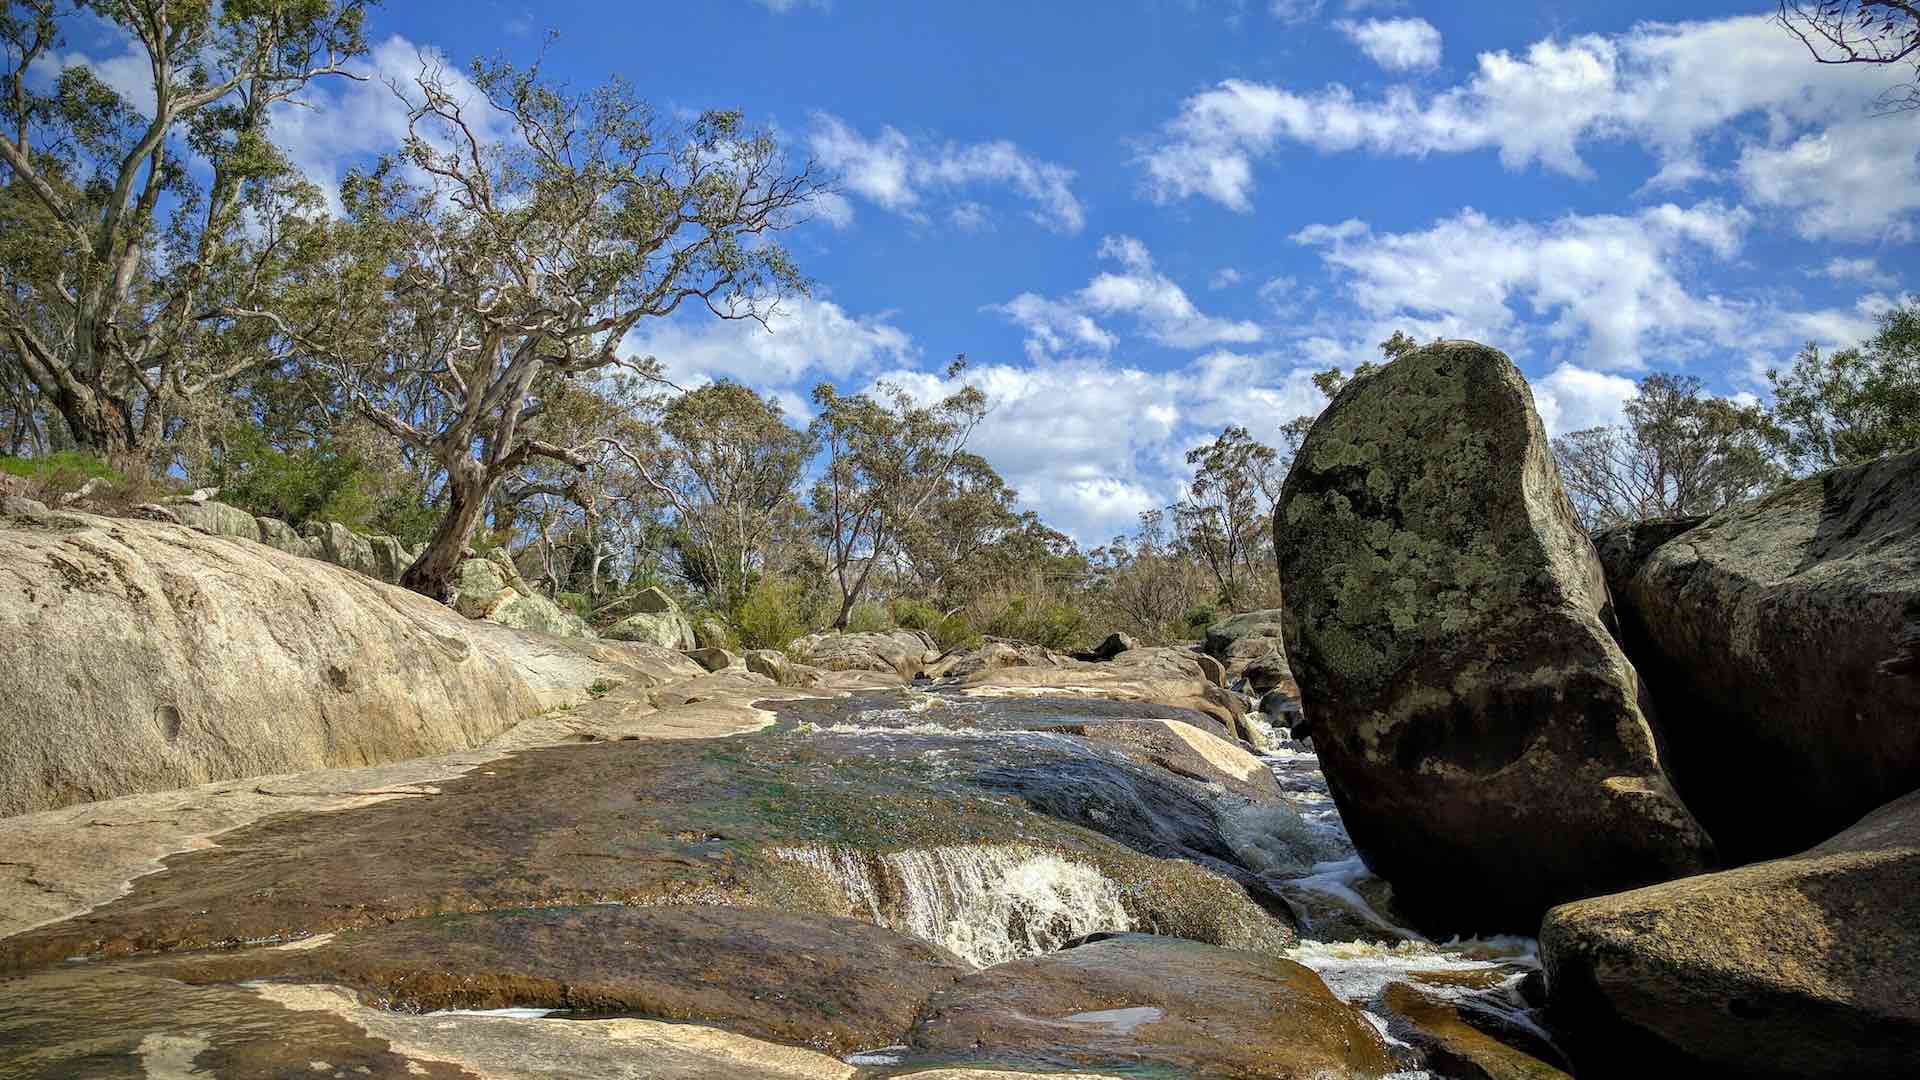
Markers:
<point>1884,33</point>
<point>1225,515</point>
<point>1855,403</point>
<point>513,244</point>
<point>960,541</point>
<point>729,467</point>
<point>886,458</point>
<point>1680,451</point>
<point>131,219</point>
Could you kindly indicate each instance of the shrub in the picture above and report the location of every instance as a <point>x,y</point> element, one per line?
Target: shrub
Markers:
<point>915,615</point>
<point>771,615</point>
<point>54,475</point>
<point>869,617</point>
<point>1052,624</point>
<point>955,631</point>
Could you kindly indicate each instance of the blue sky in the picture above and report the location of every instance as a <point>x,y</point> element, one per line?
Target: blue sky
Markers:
<point>1144,219</point>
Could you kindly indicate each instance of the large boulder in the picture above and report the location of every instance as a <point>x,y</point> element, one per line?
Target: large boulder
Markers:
<point>1780,639</point>
<point>905,653</point>
<point>668,629</point>
<point>1807,966</point>
<point>1485,739</point>
<point>1239,640</point>
<point>216,518</point>
<point>141,656</point>
<point>489,589</point>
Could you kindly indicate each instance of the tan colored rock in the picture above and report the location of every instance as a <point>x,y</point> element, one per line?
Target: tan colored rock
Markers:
<point>217,518</point>
<point>1239,640</point>
<point>1806,967</point>
<point>1186,750</point>
<point>667,629</point>
<point>713,659</point>
<point>1166,676</point>
<point>905,653</point>
<point>141,656</point>
<point>1444,620</point>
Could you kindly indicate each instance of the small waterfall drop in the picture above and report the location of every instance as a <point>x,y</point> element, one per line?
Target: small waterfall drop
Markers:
<point>987,903</point>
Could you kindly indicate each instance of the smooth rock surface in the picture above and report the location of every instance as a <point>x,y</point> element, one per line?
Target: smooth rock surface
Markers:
<point>1780,639</point>
<point>1160,1005</point>
<point>141,656</point>
<point>1484,737</point>
<point>1239,640</point>
<point>1807,966</point>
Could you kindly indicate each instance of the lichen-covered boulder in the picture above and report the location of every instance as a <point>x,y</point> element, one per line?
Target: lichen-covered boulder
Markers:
<point>215,518</point>
<point>1239,640</point>
<point>668,629</point>
<point>1807,966</point>
<point>905,653</point>
<point>281,536</point>
<point>483,589</point>
<point>342,546</point>
<point>1780,639</point>
<point>1482,733</point>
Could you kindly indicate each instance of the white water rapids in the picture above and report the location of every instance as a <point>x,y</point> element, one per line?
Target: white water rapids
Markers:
<point>994,903</point>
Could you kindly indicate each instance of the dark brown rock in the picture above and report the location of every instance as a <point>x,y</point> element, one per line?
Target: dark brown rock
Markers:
<point>1152,1004</point>
<point>1778,639</point>
<point>1807,966</point>
<point>1483,735</point>
<point>1454,1044</point>
<point>832,984</point>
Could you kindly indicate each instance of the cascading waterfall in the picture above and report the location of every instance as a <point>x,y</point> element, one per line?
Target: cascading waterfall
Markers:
<point>987,903</point>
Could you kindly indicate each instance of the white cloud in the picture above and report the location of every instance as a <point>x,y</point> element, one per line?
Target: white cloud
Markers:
<point>1295,11</point>
<point>1608,286</point>
<point>1674,89</point>
<point>1856,269</point>
<point>901,174</point>
<point>1055,434</point>
<point>1154,302</point>
<point>1851,181</point>
<point>1574,398</point>
<point>805,339</point>
<point>1225,278</point>
<point>1395,44</point>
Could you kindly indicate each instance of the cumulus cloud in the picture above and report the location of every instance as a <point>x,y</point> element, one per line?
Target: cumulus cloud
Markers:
<point>805,339</point>
<point>1395,44</point>
<point>1673,89</point>
<point>1225,278</point>
<point>1572,398</point>
<point>1154,303</point>
<point>1090,443</point>
<point>1855,269</point>
<point>902,174</point>
<point>1608,285</point>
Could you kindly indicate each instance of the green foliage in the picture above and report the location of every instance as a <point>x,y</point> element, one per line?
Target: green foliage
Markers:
<point>577,603</point>
<point>915,615</point>
<point>1854,404</point>
<point>319,481</point>
<point>868,617</point>
<point>1199,618</point>
<point>62,471</point>
<point>773,613</point>
<point>1681,451</point>
<point>1053,624</point>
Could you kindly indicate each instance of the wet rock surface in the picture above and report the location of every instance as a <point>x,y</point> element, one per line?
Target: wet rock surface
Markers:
<point>833,984</point>
<point>1780,639</point>
<point>1160,1005</point>
<point>1807,966</point>
<point>659,822</point>
<point>1484,736</point>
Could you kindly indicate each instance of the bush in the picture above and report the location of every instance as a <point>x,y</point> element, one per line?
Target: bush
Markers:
<point>869,617</point>
<point>48,478</point>
<point>577,603</point>
<point>955,631</point>
<point>771,615</point>
<point>915,615</point>
<point>1052,624</point>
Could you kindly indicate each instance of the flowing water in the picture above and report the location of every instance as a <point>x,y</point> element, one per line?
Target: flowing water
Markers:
<point>994,903</point>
